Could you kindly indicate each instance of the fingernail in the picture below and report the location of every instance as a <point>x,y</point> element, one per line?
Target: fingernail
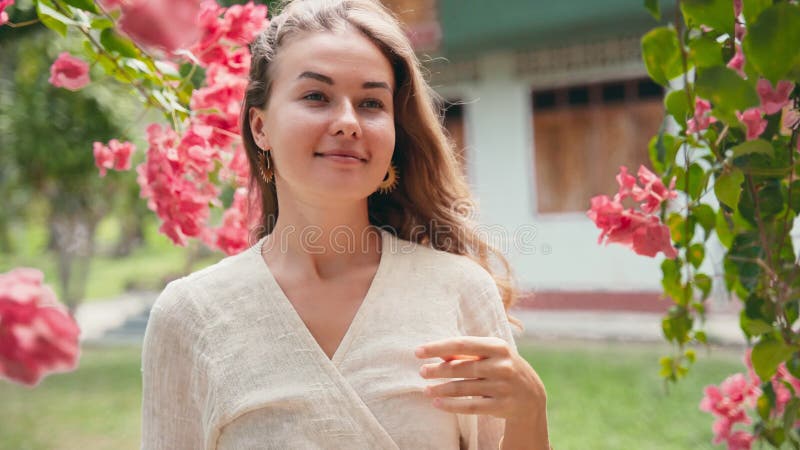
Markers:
<point>419,351</point>
<point>427,390</point>
<point>423,370</point>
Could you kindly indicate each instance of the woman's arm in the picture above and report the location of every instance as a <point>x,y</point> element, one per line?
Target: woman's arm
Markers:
<point>170,417</point>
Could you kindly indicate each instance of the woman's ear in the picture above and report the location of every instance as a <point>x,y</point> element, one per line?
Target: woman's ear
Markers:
<point>257,122</point>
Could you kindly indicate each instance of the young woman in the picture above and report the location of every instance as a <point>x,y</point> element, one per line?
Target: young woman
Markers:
<point>366,315</point>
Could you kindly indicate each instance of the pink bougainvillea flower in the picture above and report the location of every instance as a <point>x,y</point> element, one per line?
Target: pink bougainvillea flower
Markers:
<point>644,234</point>
<point>773,100</point>
<point>237,222</point>
<point>740,440</point>
<point>702,117</point>
<point>3,14</point>
<point>737,62</point>
<point>117,155</point>
<point>173,180</point>
<point>653,237</point>
<point>243,22</point>
<point>37,334</point>
<point>69,72</point>
<point>754,121</point>
<point>653,192</point>
<point>166,24</point>
<point>640,230</point>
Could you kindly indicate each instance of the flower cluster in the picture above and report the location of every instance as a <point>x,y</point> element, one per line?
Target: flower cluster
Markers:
<point>730,401</point>
<point>184,171</point>
<point>176,175</point>
<point>639,229</point>
<point>37,335</point>
<point>116,155</point>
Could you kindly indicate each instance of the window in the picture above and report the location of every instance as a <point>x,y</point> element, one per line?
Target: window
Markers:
<point>582,134</point>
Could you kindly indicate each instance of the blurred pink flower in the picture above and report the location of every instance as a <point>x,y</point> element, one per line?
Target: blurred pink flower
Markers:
<point>69,72</point>
<point>702,117</point>
<point>737,62</point>
<point>3,14</point>
<point>243,22</point>
<point>115,156</point>
<point>754,122</point>
<point>166,24</point>
<point>773,100</point>
<point>37,334</point>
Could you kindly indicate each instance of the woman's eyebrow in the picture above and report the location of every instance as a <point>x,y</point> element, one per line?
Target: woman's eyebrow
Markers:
<point>328,80</point>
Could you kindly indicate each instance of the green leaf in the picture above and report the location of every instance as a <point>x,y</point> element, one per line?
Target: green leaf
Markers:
<point>717,14</point>
<point>678,230</point>
<point>700,336</point>
<point>790,413</point>
<point>752,8</point>
<point>101,23</point>
<point>119,44</point>
<point>726,89</point>
<point>697,181</point>
<point>703,282</point>
<point>677,105</point>
<point>653,9</point>
<point>767,355</point>
<point>671,279</point>
<point>695,254</point>
<point>662,150</point>
<point>661,54</point>
<point>771,43</point>
<point>706,51</point>
<point>704,215</point>
<point>793,366</point>
<point>53,19</point>
<point>86,5</point>
<point>728,187</point>
<point>765,401</point>
<point>755,146</point>
<point>794,191</point>
<point>753,327</point>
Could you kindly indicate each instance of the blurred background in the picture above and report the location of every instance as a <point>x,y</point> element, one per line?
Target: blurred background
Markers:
<point>545,101</point>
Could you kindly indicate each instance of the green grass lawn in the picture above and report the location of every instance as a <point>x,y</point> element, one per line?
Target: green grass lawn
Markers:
<point>601,396</point>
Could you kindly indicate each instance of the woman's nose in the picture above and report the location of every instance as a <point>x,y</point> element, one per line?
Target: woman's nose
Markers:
<point>346,121</point>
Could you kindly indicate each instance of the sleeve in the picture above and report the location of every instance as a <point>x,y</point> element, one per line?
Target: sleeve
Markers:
<point>170,417</point>
<point>482,313</point>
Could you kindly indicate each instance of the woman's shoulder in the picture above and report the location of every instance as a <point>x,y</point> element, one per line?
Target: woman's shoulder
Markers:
<point>219,280</point>
<point>444,266</point>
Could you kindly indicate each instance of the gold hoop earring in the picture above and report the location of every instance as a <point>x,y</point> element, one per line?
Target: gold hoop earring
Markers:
<point>390,181</point>
<point>265,166</point>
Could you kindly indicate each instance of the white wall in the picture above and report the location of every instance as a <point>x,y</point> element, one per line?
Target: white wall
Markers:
<point>562,253</point>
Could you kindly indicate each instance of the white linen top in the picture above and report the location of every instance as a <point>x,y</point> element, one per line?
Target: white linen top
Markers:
<point>228,364</point>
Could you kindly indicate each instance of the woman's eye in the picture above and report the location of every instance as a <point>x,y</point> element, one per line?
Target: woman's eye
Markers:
<point>316,96</point>
<point>374,103</point>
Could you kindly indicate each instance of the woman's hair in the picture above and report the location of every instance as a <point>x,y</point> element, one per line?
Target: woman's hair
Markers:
<point>432,205</point>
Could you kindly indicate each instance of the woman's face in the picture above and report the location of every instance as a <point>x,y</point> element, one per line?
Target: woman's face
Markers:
<point>332,93</point>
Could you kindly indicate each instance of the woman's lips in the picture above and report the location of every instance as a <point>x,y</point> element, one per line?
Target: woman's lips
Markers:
<point>341,159</point>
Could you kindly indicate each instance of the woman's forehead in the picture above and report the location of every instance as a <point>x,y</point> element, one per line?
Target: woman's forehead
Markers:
<point>343,55</point>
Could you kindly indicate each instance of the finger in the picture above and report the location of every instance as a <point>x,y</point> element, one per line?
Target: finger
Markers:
<point>457,368</point>
<point>482,347</point>
<point>478,405</point>
<point>461,388</point>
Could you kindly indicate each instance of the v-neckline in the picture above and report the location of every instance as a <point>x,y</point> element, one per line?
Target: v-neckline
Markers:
<point>288,308</point>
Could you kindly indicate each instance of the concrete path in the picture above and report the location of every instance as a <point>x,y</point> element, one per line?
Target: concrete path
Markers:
<point>123,320</point>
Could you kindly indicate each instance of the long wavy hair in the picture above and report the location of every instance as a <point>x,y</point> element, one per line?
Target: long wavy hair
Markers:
<point>432,205</point>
